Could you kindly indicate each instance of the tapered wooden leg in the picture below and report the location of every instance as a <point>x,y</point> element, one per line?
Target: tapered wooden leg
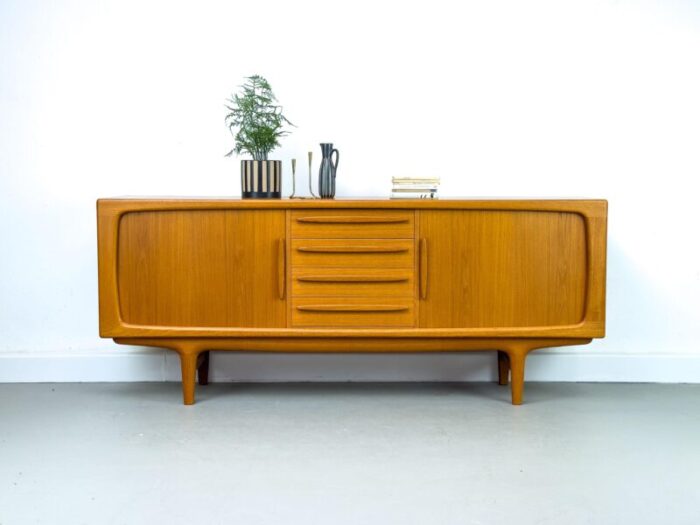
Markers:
<point>203,368</point>
<point>188,363</point>
<point>517,374</point>
<point>503,368</point>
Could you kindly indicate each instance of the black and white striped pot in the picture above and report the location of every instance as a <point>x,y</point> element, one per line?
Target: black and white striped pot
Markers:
<point>261,179</point>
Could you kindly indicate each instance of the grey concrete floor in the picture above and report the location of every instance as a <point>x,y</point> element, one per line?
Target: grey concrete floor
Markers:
<point>349,454</point>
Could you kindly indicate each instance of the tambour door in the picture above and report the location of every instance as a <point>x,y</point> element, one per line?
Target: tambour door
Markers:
<point>202,268</point>
<point>501,268</point>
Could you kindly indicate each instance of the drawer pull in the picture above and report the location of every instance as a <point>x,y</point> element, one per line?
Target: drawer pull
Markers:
<point>350,279</point>
<point>281,268</point>
<point>352,308</point>
<point>352,249</point>
<point>423,268</point>
<point>351,219</point>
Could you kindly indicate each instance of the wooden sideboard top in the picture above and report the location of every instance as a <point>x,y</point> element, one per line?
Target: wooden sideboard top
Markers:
<point>591,207</point>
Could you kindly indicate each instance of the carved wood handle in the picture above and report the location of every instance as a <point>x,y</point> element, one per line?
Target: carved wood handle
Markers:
<point>351,308</point>
<point>281,268</point>
<point>423,248</point>
<point>351,249</point>
<point>350,279</point>
<point>352,219</point>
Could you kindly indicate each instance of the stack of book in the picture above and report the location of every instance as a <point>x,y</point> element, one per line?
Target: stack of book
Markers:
<point>414,187</point>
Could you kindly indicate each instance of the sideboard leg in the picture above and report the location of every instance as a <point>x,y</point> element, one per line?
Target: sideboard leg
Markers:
<point>517,356</point>
<point>188,363</point>
<point>503,368</point>
<point>203,368</point>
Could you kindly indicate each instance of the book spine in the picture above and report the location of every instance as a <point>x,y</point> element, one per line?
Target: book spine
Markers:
<point>415,195</point>
<point>396,180</point>
<point>419,189</point>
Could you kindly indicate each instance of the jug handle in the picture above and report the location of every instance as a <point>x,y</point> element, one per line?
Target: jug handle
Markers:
<point>337,158</point>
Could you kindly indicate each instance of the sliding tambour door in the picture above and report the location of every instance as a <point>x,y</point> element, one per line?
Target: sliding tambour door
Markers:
<point>501,268</point>
<point>201,268</point>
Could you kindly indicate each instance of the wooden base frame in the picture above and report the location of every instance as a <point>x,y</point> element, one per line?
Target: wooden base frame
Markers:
<point>194,352</point>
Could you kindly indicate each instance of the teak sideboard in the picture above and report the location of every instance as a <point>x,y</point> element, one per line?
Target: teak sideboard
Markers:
<point>195,275</point>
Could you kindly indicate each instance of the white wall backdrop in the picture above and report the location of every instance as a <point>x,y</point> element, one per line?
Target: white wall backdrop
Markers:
<point>562,98</point>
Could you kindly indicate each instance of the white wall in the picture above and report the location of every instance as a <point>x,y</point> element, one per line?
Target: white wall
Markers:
<point>561,98</point>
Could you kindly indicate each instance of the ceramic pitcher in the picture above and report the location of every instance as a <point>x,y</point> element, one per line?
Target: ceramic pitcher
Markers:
<point>327,171</point>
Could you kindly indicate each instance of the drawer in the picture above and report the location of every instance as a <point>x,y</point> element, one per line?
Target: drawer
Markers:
<point>357,312</point>
<point>353,253</point>
<point>369,282</point>
<point>352,224</point>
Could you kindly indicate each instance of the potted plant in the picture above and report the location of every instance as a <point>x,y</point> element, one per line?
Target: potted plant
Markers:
<point>257,123</point>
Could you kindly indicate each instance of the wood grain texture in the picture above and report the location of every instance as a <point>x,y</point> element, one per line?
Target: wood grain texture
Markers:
<point>423,268</point>
<point>342,306</point>
<point>195,275</point>
<point>281,268</point>
<point>352,224</point>
<point>363,218</point>
<point>503,269</point>
<point>587,207</point>
<point>366,282</point>
<point>353,311</point>
<point>204,268</point>
<point>350,248</point>
<point>112,324</point>
<point>353,253</point>
<point>353,268</point>
<point>360,276</point>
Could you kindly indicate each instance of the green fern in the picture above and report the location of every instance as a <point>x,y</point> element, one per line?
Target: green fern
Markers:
<point>255,120</point>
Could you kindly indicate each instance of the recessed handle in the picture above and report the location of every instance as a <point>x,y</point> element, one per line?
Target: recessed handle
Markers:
<point>352,249</point>
<point>281,268</point>
<point>423,248</point>
<point>350,279</point>
<point>353,219</point>
<point>351,308</point>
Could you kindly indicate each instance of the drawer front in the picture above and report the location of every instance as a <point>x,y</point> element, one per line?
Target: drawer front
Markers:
<point>368,282</point>
<point>357,312</point>
<point>350,253</point>
<point>352,224</point>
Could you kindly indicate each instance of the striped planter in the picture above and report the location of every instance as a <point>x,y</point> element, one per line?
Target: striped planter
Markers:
<point>261,179</point>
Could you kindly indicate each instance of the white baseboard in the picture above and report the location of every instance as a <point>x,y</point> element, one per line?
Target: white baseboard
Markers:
<point>158,365</point>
